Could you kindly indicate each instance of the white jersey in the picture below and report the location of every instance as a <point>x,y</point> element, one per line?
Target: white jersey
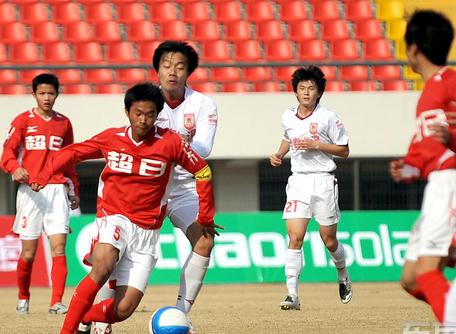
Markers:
<point>195,119</point>
<point>322,125</point>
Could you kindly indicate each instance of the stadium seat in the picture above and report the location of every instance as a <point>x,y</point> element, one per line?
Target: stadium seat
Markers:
<point>284,73</point>
<point>7,13</point>
<point>26,76</point>
<point>130,75</point>
<point>152,76</point>
<point>109,89</point>
<point>386,72</point>
<point>88,53</point>
<point>69,76</point>
<point>13,89</point>
<point>368,29</point>
<point>362,86</point>
<point>107,32</point>
<point>356,72</point>
<point>248,51</point>
<point>131,12</point>
<point>293,11</point>
<point>301,31</point>
<point>163,12</point>
<point>226,74</point>
<point>8,77</point>
<point>335,29</point>
<point>98,75</point>
<point>13,32</point>
<point>345,49</point>
<point>57,53</point>
<point>314,49</point>
<point>99,12</point>
<point>377,49</point>
<point>237,31</point>
<point>388,10</point>
<point>195,12</point>
<point>120,52</point>
<point>78,32</point>
<point>146,51</point>
<point>141,31</point>
<point>83,89</point>
<point>260,73</point>
<point>267,86</point>
<point>200,74</point>
<point>325,10</point>
<point>3,54</point>
<point>334,86</point>
<point>269,31</point>
<point>358,10</point>
<point>176,30</point>
<point>395,85</point>
<point>329,72</point>
<point>216,51</point>
<point>235,87</point>
<point>205,87</point>
<point>400,51</point>
<point>32,13</point>
<point>45,32</point>
<point>67,12</point>
<point>25,53</point>
<point>395,29</point>
<point>206,31</point>
<point>228,11</point>
<point>259,11</point>
<point>281,50</point>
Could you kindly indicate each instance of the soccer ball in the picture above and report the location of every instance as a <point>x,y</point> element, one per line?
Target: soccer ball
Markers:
<point>168,320</point>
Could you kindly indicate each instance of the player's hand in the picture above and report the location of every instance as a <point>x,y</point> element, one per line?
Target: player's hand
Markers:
<point>395,169</point>
<point>307,144</point>
<point>275,159</point>
<point>440,133</point>
<point>36,186</point>
<point>74,202</point>
<point>451,115</point>
<point>20,175</point>
<point>211,230</point>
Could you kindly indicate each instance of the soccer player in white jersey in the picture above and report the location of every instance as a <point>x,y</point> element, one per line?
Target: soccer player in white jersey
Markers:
<point>313,134</point>
<point>33,138</point>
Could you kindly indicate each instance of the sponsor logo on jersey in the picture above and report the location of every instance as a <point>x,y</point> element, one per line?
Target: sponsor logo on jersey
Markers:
<point>31,129</point>
<point>212,119</point>
<point>313,128</point>
<point>189,121</point>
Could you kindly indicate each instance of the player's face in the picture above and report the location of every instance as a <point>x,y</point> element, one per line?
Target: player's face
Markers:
<point>142,116</point>
<point>173,72</point>
<point>45,96</point>
<point>307,94</point>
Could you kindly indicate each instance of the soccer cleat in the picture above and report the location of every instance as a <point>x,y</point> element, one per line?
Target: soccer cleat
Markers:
<point>22,306</point>
<point>101,328</point>
<point>58,308</point>
<point>290,303</point>
<point>345,291</point>
<point>83,328</point>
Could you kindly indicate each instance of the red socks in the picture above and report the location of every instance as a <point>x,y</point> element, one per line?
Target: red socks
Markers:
<point>101,312</point>
<point>81,302</point>
<point>418,294</point>
<point>24,275</point>
<point>59,274</point>
<point>434,287</point>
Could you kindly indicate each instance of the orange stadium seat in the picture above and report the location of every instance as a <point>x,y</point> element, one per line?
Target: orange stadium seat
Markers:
<point>362,86</point>
<point>88,53</point>
<point>13,89</point>
<point>99,12</point>
<point>258,11</point>
<point>98,75</point>
<point>216,51</point>
<point>141,31</point>
<point>45,32</point>
<point>325,10</point>
<point>200,74</point>
<point>228,11</point>
<point>109,89</point>
<point>8,77</point>
<point>78,32</point>
<point>205,87</point>
<point>329,72</point>
<point>7,13</point>
<point>386,72</point>
<point>248,51</point>
<point>237,31</point>
<point>236,87</point>
<point>3,54</point>
<point>26,76</point>
<point>32,13</point>
<point>335,86</point>
<point>77,89</point>
<point>131,12</point>
<point>173,30</point>
<point>267,86</point>
<point>13,32</point>
<point>377,49</point>
<point>146,51</point>
<point>395,85</point>
<point>26,53</point>
<point>163,12</point>
<point>356,72</point>
<point>314,49</point>
<point>301,31</point>
<point>344,49</point>
<point>69,76</point>
<point>152,76</point>
<point>368,29</point>
<point>195,12</point>
<point>120,52</point>
<point>226,74</point>
<point>358,10</point>
<point>67,12</point>
<point>260,73</point>
<point>269,31</point>
<point>334,30</point>
<point>57,53</point>
<point>107,32</point>
<point>281,50</point>
<point>293,11</point>
<point>206,31</point>
<point>284,73</point>
<point>130,75</point>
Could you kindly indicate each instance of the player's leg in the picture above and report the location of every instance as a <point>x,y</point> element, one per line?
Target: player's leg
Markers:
<point>59,273</point>
<point>24,274</point>
<point>450,306</point>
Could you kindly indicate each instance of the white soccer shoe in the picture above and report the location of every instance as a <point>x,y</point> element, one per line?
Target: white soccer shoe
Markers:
<point>101,328</point>
<point>291,303</point>
<point>192,330</point>
<point>22,306</point>
<point>345,291</point>
<point>58,308</point>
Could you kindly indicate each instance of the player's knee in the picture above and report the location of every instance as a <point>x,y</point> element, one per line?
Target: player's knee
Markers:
<point>330,242</point>
<point>204,246</point>
<point>58,250</point>
<point>28,256</point>
<point>295,242</point>
<point>124,311</point>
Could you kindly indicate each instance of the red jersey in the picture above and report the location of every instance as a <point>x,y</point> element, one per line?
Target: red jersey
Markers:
<point>134,182</point>
<point>438,96</point>
<point>33,140</point>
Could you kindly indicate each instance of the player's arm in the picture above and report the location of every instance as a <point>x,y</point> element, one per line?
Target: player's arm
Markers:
<point>9,160</point>
<point>276,158</point>
<point>206,126</point>
<point>71,175</point>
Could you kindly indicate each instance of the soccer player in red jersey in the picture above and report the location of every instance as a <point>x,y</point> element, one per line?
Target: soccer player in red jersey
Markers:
<point>428,38</point>
<point>33,138</point>
<point>133,193</point>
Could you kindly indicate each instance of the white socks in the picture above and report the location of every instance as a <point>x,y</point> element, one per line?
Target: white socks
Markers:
<point>293,267</point>
<point>338,257</point>
<point>191,280</point>
<point>450,306</point>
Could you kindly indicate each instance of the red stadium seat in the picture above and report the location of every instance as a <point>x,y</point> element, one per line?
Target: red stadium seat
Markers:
<point>45,32</point>
<point>356,72</point>
<point>358,10</point>
<point>32,13</point>
<point>146,51</point>
<point>107,32</point>
<point>13,90</point>
<point>325,10</point>
<point>249,51</point>
<point>269,31</point>
<point>377,49</point>
<point>67,12</point>
<point>293,11</point>
<point>130,75</point>
<point>88,53</point>
<point>98,75</point>
<point>121,52</point>
<point>312,50</point>
<point>3,54</point>
<point>368,29</point>
<point>26,53</point>
<point>345,49</point>
<point>237,31</point>
<point>301,31</point>
<point>99,12</point>
<point>267,86</point>
<point>260,73</point>
<point>329,72</point>
<point>26,76</point>
<point>205,87</point>
<point>13,33</point>
<point>236,87</point>
<point>69,76</point>
<point>395,85</point>
<point>176,30</point>
<point>228,11</point>
<point>8,77</point>
<point>226,74</point>
<point>216,51</point>
<point>281,50</point>
<point>206,31</point>
<point>109,89</point>
<point>163,12</point>
<point>196,12</point>
<point>334,30</point>
<point>131,12</point>
<point>152,76</point>
<point>284,73</point>
<point>362,86</point>
<point>57,53</point>
<point>259,11</point>
<point>141,31</point>
<point>7,13</point>
<point>200,74</point>
<point>82,89</point>
<point>78,32</point>
<point>334,86</point>
<point>386,72</point>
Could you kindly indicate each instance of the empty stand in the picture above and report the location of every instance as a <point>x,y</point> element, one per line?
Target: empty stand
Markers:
<point>301,31</point>
<point>284,73</point>
<point>270,31</point>
<point>293,11</point>
<point>325,10</point>
<point>26,76</point>
<point>121,52</point>
<point>216,51</point>
<point>237,31</point>
<point>13,32</point>
<point>173,30</point>
<point>196,12</point>
<point>228,11</point>
<point>334,30</point>
<point>69,76</point>
<point>362,85</point>
<point>131,12</point>
<point>267,86</point>
<point>390,9</point>
<point>109,89</point>
<point>78,32</point>
<point>357,72</point>
<point>131,75</point>
<point>45,32</point>
<point>368,29</point>
<point>312,50</point>
<point>395,29</point>
<point>67,12</point>
<point>386,72</point>
<point>395,85</point>
<point>281,50</point>
<point>88,53</point>
<point>3,54</point>
<point>7,13</point>
<point>205,87</point>
<point>141,31</point>
<point>8,77</point>
<point>335,86</point>
<point>206,31</point>
<point>259,11</point>
<point>146,51</point>
<point>226,74</point>
<point>77,89</point>
<point>107,32</point>
<point>377,49</point>
<point>346,49</point>
<point>248,51</point>
<point>200,74</point>
<point>98,75</point>
<point>236,87</point>
<point>25,53</point>
<point>163,12</point>
<point>358,10</point>
<point>329,72</point>
<point>99,12</point>
<point>13,89</point>
<point>260,73</point>
<point>32,13</point>
<point>57,53</point>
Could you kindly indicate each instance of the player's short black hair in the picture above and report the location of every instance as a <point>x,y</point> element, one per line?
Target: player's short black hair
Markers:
<point>46,78</point>
<point>312,73</point>
<point>432,33</point>
<point>145,91</point>
<point>176,46</point>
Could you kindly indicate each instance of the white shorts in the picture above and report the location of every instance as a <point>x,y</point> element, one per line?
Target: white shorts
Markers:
<point>137,250</point>
<point>313,195</point>
<point>44,211</point>
<point>183,205</point>
<point>432,233</point>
